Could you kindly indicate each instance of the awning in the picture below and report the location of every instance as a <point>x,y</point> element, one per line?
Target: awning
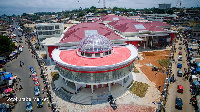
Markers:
<point>7,76</point>
<point>14,77</point>
<point>8,90</point>
<point>194,77</point>
<point>196,83</point>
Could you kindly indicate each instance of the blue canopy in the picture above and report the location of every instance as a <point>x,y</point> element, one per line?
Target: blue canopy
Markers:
<point>196,83</point>
<point>7,76</point>
<point>198,69</point>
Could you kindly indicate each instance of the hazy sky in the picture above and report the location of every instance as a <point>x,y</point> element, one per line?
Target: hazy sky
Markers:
<point>17,7</point>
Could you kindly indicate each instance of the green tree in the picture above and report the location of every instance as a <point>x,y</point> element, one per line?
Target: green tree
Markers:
<point>93,9</point>
<point>6,45</point>
<point>81,14</point>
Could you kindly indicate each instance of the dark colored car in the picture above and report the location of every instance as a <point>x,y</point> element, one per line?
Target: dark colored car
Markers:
<point>179,65</point>
<point>180,48</point>
<point>179,73</point>
<point>20,41</point>
<point>178,103</point>
<point>39,102</point>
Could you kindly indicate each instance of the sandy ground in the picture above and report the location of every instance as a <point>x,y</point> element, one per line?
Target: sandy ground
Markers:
<point>158,79</point>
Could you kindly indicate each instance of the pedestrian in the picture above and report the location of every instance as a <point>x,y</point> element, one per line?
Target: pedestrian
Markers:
<point>20,86</point>
<point>42,91</point>
<point>155,74</point>
<point>22,63</point>
<point>30,74</point>
<point>19,79</point>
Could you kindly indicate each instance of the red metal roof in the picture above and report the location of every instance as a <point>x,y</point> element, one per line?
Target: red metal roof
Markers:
<point>120,54</point>
<point>76,33</point>
<point>127,25</point>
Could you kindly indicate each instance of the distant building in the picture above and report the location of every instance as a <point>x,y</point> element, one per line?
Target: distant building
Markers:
<point>157,17</point>
<point>164,6</point>
<point>47,30</point>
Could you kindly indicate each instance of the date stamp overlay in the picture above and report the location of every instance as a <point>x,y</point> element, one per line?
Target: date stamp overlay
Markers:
<point>26,99</point>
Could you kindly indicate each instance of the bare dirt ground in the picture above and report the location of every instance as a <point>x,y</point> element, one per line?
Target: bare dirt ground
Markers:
<point>151,58</point>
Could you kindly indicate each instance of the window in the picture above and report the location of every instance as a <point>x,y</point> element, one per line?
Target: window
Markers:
<point>40,33</point>
<point>57,31</point>
<point>39,28</point>
<point>57,27</point>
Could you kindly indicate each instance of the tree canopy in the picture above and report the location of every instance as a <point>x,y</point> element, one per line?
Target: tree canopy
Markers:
<point>6,45</point>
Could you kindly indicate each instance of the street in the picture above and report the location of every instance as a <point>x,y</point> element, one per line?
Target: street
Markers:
<point>186,95</point>
<point>26,81</point>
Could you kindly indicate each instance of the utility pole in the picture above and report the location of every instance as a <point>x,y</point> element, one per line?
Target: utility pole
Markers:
<point>104,4</point>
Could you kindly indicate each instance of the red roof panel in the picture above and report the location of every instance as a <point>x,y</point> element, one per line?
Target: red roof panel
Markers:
<point>77,33</point>
<point>71,57</point>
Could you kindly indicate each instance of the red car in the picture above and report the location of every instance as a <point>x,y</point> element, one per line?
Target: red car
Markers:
<point>179,88</point>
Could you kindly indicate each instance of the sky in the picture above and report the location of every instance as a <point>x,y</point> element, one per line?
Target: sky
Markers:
<point>18,7</point>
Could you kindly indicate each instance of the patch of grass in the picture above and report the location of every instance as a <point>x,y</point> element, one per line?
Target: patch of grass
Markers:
<point>135,70</point>
<point>163,62</point>
<point>139,89</point>
<point>54,75</point>
<point>66,90</point>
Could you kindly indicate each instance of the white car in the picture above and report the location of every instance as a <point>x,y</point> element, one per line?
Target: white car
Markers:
<point>180,58</point>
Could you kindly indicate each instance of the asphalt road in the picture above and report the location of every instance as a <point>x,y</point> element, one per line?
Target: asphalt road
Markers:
<point>26,81</point>
<point>170,105</point>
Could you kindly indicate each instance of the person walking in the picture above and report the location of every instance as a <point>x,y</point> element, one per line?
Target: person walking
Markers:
<point>155,74</point>
<point>42,91</point>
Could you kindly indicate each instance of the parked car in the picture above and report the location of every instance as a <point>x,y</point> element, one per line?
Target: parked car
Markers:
<point>39,102</point>
<point>180,58</point>
<point>180,48</point>
<point>29,106</point>
<point>37,90</point>
<point>178,103</point>
<point>179,65</point>
<point>180,53</point>
<point>179,73</point>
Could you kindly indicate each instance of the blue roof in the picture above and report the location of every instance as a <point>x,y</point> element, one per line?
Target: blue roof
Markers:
<point>198,69</point>
<point>198,64</point>
<point>196,83</point>
<point>7,76</point>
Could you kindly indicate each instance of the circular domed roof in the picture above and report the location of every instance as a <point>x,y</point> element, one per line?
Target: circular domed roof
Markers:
<point>95,44</point>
